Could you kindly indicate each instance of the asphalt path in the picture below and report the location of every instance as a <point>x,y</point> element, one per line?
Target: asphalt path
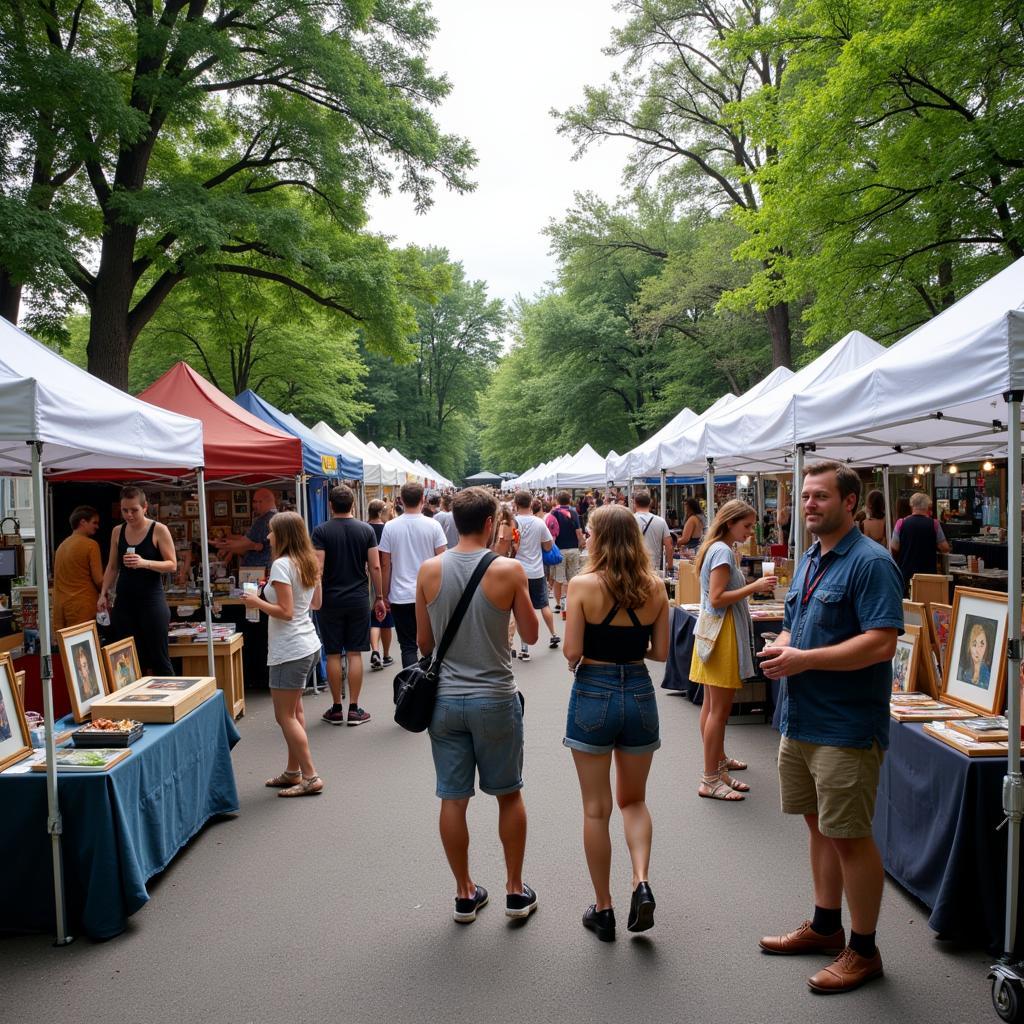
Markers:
<point>337,908</point>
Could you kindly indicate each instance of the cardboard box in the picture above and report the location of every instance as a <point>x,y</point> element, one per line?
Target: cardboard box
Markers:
<point>156,698</point>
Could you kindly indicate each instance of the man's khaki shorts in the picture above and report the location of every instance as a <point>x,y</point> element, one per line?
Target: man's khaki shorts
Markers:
<point>568,567</point>
<point>838,784</point>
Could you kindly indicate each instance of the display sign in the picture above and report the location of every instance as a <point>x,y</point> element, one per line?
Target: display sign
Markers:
<point>329,464</point>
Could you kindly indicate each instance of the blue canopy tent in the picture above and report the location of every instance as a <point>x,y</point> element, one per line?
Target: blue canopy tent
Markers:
<point>320,464</point>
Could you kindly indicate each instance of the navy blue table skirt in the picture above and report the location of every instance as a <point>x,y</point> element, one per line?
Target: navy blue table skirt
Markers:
<point>935,823</point>
<point>121,827</point>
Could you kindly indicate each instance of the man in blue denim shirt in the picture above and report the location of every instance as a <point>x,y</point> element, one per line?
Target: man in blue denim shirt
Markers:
<point>834,655</point>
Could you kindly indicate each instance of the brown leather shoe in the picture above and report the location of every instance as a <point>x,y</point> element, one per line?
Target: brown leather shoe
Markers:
<point>848,971</point>
<point>804,940</point>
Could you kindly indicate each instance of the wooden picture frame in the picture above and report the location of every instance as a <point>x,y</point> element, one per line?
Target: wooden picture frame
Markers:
<point>220,510</point>
<point>191,509</point>
<point>80,655</point>
<point>15,741</point>
<point>940,618</point>
<point>904,661</point>
<point>121,662</point>
<point>179,533</point>
<point>248,574</point>
<point>974,675</point>
<point>159,699</point>
<point>915,614</point>
<point>929,671</point>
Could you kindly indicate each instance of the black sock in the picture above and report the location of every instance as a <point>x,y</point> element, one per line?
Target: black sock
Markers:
<point>826,921</point>
<point>352,704</point>
<point>862,944</point>
<point>337,707</point>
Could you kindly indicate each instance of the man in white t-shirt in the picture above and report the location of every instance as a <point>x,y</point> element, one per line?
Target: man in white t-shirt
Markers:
<point>445,518</point>
<point>657,536</point>
<point>534,538</point>
<point>406,543</point>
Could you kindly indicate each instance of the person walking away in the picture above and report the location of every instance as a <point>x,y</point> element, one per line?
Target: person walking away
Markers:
<point>477,725</point>
<point>917,540</point>
<point>293,647</point>
<point>617,617</point>
<point>380,628</point>
<point>534,538</point>
<point>140,551</point>
<point>873,524</point>
<point>570,540</point>
<point>347,558</point>
<point>444,517</point>
<point>406,542</point>
<point>843,614</point>
<point>724,621</point>
<point>655,531</point>
<point>693,527</point>
<point>77,571</point>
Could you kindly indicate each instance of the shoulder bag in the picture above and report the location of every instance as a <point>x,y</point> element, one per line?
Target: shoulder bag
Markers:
<point>416,685</point>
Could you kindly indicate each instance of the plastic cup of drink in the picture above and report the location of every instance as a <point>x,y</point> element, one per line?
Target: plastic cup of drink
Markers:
<point>767,568</point>
<point>251,614</point>
<point>130,550</point>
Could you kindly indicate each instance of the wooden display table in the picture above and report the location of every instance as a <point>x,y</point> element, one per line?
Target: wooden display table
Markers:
<point>227,661</point>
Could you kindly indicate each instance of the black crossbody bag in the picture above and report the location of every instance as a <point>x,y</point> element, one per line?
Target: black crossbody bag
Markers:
<point>416,686</point>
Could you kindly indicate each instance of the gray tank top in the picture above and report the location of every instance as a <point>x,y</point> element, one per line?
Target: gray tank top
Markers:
<point>479,662</point>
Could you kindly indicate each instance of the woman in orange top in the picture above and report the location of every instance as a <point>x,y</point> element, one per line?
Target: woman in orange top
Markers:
<point>77,571</point>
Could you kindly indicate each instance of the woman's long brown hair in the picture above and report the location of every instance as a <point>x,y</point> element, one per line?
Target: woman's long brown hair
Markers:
<point>618,553</point>
<point>731,512</point>
<point>292,539</point>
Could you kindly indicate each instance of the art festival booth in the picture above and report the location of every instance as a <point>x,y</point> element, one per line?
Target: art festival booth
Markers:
<point>378,471</point>
<point>56,416</point>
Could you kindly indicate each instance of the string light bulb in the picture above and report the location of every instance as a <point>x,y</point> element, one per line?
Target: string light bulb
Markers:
<point>987,466</point>
<point>952,469</point>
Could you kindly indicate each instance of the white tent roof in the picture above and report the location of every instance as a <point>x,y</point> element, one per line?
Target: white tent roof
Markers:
<point>622,468</point>
<point>547,477</point>
<point>353,447</point>
<point>83,422</point>
<point>406,464</point>
<point>585,469</point>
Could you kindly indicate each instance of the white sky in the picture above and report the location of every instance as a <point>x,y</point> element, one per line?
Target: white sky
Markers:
<point>509,64</point>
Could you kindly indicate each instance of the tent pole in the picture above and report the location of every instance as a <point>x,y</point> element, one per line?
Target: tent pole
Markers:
<point>206,597</point>
<point>796,518</point>
<point>53,822</point>
<point>49,518</point>
<point>1013,784</point>
<point>888,508</point>
<point>664,482</point>
<point>760,500</point>
<point>709,486</point>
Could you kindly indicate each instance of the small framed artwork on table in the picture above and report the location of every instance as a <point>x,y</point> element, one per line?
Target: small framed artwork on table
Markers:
<point>940,616</point>
<point>122,664</point>
<point>80,653</point>
<point>974,675</point>
<point>15,742</point>
<point>220,510</point>
<point>904,661</point>
<point>247,574</point>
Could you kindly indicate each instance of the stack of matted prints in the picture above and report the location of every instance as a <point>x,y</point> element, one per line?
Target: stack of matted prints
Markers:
<point>157,698</point>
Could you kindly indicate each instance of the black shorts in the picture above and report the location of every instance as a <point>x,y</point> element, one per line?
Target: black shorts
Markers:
<point>344,629</point>
<point>538,592</point>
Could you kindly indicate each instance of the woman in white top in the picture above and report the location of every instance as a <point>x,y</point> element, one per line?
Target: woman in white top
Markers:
<point>292,644</point>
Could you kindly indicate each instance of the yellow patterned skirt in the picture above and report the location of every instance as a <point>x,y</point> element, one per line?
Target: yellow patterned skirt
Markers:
<point>723,667</point>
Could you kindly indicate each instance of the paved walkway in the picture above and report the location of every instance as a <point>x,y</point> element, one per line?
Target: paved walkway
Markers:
<point>337,908</point>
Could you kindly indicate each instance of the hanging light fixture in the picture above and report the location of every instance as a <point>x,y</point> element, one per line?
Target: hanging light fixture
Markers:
<point>920,472</point>
<point>987,466</point>
<point>952,469</point>
<point>743,480</point>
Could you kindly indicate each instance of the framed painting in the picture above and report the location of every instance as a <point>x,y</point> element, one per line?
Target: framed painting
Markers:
<point>974,674</point>
<point>904,661</point>
<point>192,509</point>
<point>15,743</point>
<point>80,654</point>
<point>220,510</point>
<point>939,618</point>
<point>122,664</point>
<point>179,533</point>
<point>247,574</point>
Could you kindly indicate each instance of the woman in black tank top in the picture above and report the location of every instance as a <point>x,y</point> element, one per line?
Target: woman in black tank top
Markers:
<point>617,615</point>
<point>140,609</point>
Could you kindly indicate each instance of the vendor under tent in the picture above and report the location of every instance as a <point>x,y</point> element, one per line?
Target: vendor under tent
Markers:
<point>377,471</point>
<point>483,479</point>
<point>45,402</point>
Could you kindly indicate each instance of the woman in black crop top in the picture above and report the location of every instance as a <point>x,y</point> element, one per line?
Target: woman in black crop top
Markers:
<point>616,616</point>
<point>140,609</point>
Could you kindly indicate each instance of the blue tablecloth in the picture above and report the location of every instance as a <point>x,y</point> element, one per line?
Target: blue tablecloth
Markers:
<point>121,827</point>
<point>935,823</point>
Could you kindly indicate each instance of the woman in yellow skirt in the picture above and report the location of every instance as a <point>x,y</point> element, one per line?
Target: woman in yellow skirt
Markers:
<point>723,652</point>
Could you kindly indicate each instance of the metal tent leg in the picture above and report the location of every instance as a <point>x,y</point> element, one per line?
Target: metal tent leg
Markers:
<point>796,518</point>
<point>207,596</point>
<point>709,486</point>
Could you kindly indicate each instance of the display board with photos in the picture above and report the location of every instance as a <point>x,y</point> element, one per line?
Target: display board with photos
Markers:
<point>121,662</point>
<point>15,742</point>
<point>80,654</point>
<point>974,674</point>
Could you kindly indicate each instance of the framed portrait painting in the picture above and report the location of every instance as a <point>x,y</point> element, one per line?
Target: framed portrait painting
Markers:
<point>122,664</point>
<point>80,654</point>
<point>904,661</point>
<point>940,616</point>
<point>15,743</point>
<point>974,675</point>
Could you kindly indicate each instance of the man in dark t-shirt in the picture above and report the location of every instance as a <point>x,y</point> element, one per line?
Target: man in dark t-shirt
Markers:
<point>346,549</point>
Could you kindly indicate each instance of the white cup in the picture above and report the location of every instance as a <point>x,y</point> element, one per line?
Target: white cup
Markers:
<point>130,550</point>
<point>251,614</point>
<point>767,568</point>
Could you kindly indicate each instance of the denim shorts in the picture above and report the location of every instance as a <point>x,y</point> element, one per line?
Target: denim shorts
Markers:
<point>468,734</point>
<point>612,707</point>
<point>538,592</point>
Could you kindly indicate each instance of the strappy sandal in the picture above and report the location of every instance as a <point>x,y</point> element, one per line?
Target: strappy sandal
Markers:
<point>307,787</point>
<point>723,774</point>
<point>286,778</point>
<point>718,789</point>
<point>732,765</point>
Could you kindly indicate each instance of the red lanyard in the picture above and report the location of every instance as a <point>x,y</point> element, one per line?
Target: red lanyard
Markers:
<point>809,590</point>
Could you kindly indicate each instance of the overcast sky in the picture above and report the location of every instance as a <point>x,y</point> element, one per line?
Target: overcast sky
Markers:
<point>509,64</point>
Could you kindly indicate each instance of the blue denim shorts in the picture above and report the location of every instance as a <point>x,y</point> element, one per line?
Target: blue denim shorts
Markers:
<point>468,734</point>
<point>612,707</point>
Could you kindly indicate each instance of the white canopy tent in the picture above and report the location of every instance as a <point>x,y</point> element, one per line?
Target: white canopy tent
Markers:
<point>547,477</point>
<point>407,465</point>
<point>55,416</point>
<point>639,461</point>
<point>376,472</point>
<point>584,469</point>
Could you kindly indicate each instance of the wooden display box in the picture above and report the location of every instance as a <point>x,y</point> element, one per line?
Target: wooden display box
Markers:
<point>227,665</point>
<point>160,699</point>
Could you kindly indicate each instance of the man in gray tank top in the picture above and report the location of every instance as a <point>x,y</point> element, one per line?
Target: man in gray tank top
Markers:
<point>477,724</point>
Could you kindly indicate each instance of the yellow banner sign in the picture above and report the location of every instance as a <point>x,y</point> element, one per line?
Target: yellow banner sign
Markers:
<point>329,463</point>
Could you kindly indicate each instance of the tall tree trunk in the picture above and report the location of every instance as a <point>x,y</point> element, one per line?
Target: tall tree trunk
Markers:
<point>947,292</point>
<point>778,325</point>
<point>10,297</point>
<point>110,339</point>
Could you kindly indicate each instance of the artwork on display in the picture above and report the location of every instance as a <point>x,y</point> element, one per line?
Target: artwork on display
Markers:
<point>171,684</point>
<point>240,526</point>
<point>144,698</point>
<point>179,533</point>
<point>170,509</point>
<point>95,759</point>
<point>192,509</point>
<point>975,670</point>
<point>80,654</point>
<point>216,533</point>
<point>904,662</point>
<point>915,614</point>
<point>220,510</point>
<point>940,617</point>
<point>122,664</point>
<point>247,574</point>
<point>240,503</point>
<point>15,743</point>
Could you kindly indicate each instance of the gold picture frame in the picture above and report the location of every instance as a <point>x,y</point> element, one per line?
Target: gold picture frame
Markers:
<point>904,661</point>
<point>80,655</point>
<point>974,676</point>
<point>121,662</point>
<point>15,742</point>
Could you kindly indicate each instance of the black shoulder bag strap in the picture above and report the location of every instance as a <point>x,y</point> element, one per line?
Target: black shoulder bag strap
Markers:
<point>460,610</point>
<point>647,526</point>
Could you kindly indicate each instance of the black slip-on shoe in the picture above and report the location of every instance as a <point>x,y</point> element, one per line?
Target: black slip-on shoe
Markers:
<point>520,904</point>
<point>641,909</point>
<point>465,909</point>
<point>600,922</point>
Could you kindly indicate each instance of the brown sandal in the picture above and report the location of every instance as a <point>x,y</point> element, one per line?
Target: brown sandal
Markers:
<point>307,787</point>
<point>286,778</point>
<point>732,765</point>
<point>718,789</point>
